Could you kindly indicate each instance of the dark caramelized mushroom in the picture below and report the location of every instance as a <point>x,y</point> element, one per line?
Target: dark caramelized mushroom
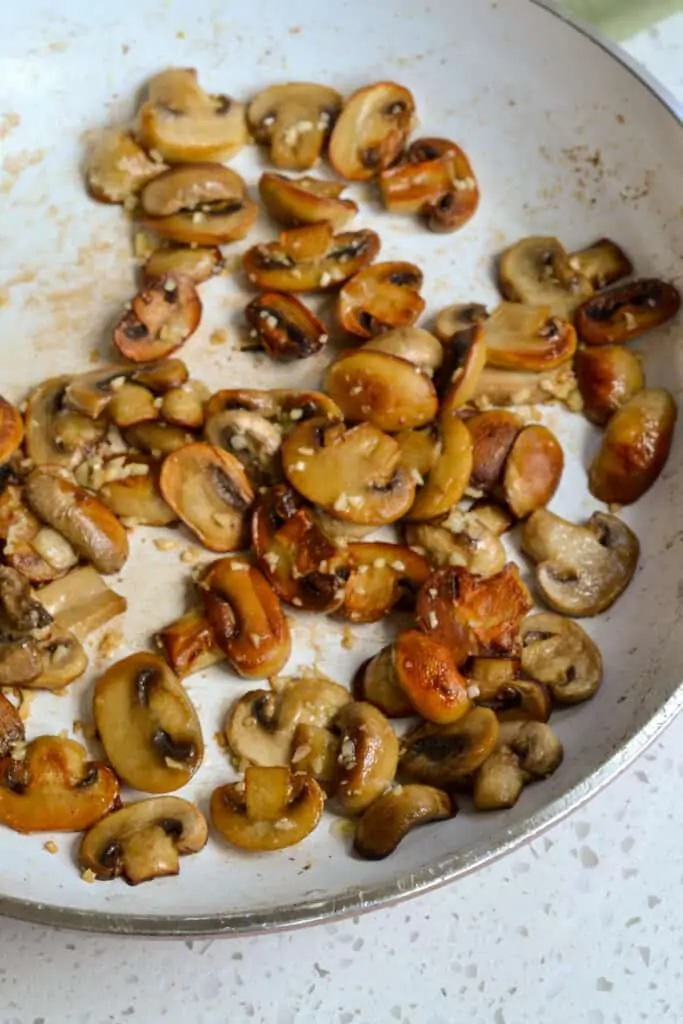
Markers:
<point>284,327</point>
<point>162,316</point>
<point>626,312</point>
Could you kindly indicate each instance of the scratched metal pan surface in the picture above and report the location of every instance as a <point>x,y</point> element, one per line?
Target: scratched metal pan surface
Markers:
<point>566,139</point>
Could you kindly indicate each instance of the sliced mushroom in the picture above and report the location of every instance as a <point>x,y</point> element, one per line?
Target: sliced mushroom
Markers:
<point>305,567</point>
<point>493,436</point>
<point>208,489</point>
<point>11,429</point>
<point>474,615</point>
<point>494,517</point>
<point>626,312</point>
<point>517,700</point>
<point>537,271</point>
<point>381,576</point>
<point>284,406</point>
<point>184,406</point>
<point>50,786</point>
<point>459,318</point>
<point>250,438</point>
<point>368,756</point>
<point>296,201</point>
<point>157,438</point>
<point>81,601</point>
<point>580,570</point>
<point>271,810</point>
<point>387,822</point>
<point>260,726</point>
<point>493,671</point>
<point>185,124</point>
<point>246,617</point>
<point>427,674</point>
<point>131,404</point>
<point>294,119</point>
<point>420,450</point>
<point>384,390</point>
<point>20,660</point>
<point>310,258</point>
<point>11,726</point>
<point>371,130</point>
<point>284,327</point>
<point>412,343</point>
<point>527,337</point>
<point>375,682</point>
<point>38,552</point>
<point>557,652</point>
<point>147,724</point>
<point>143,840</point>
<point>444,755</point>
<point>634,448</point>
<point>464,364</point>
<point>91,392</point>
<point>449,476</point>
<point>354,474</point>
<point>199,264</point>
<point>603,263</point>
<point>117,167</point>
<point>533,470</point>
<point>162,316</point>
<point>461,539</point>
<point>315,750</point>
<point>508,387</point>
<point>199,204</point>
<point>607,377</point>
<point>436,180</point>
<point>21,610</point>
<point>85,521</point>
<point>189,644</point>
<point>59,657</point>
<point>525,752</point>
<point>380,298</point>
<point>57,436</point>
<point>135,496</point>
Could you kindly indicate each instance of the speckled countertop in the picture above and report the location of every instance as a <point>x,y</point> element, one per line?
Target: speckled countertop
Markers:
<point>582,926</point>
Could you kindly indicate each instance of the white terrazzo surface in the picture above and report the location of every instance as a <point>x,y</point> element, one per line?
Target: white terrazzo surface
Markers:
<point>583,926</point>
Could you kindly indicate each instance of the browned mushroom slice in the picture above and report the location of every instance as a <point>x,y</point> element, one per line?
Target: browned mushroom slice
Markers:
<point>284,327</point>
<point>419,451</point>
<point>458,318</point>
<point>463,366</point>
<point>91,392</point>
<point>50,786</point>
<point>143,840</point>
<point>449,476</point>
<point>135,495</point>
<point>11,726</point>
<point>446,755</point>
<point>603,263</point>
<point>285,406</point>
<point>626,312</point>
<point>561,655</point>
<point>635,447</point>
<point>315,750</point>
<point>246,617</point>
<point>86,523</point>
<point>493,435</point>
<point>371,130</point>
<point>493,671</point>
<point>157,438</point>
<point>494,517</point>
<point>162,316</point>
<point>387,822</point>
<point>189,644</point>
<point>524,337</point>
<point>375,682</point>
<point>381,576</point>
<point>310,258</point>
<point>607,377</point>
<point>18,607</point>
<point>185,124</point>
<point>381,297</point>
<point>508,387</point>
<point>354,474</point>
<point>200,204</point>
<point>11,429</point>
<point>533,470</point>
<point>251,438</point>
<point>384,390</point>
<point>271,810</point>
<point>81,601</point>
<point>473,615</point>
<point>147,724</point>
<point>56,435</point>
<point>199,264</point>
<point>38,552</point>
<point>537,271</point>
<point>436,180</point>
<point>208,489</point>
<point>296,201</point>
<point>461,539</point>
<point>305,567</point>
<point>117,167</point>
<point>20,660</point>
<point>581,570</point>
<point>426,672</point>
<point>184,406</point>
<point>515,700</point>
<point>294,119</point>
<point>368,756</point>
<point>419,347</point>
<point>525,752</point>
<point>131,404</point>
<point>45,659</point>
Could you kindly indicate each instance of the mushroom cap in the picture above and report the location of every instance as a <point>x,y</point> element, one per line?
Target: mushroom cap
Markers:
<point>398,811</point>
<point>525,752</point>
<point>607,377</point>
<point>381,297</point>
<point>559,653</point>
<point>284,326</point>
<point>294,118</point>
<point>603,263</point>
<point>412,343</point>
<point>449,476</point>
<point>161,317</point>
<point>533,470</point>
<point>427,674</point>
<point>461,539</point>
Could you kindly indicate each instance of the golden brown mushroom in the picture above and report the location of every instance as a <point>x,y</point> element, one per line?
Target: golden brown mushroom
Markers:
<point>294,120</point>
<point>448,478</point>
<point>427,674</point>
<point>537,271</point>
<point>626,312</point>
<point>412,343</point>
<point>435,180</point>
<point>380,298</point>
<point>459,318</point>
<point>199,204</point>
<point>368,756</point>
<point>533,470</point>
<point>117,167</point>
<point>134,495</point>
<point>56,435</point>
<point>199,264</point>
<point>310,258</point>
<point>11,727</point>
<point>284,406</point>
<point>493,434</point>
<point>513,700</point>
<point>525,752</point>
<point>381,576</point>
<point>384,390</point>
<point>461,539</point>
<point>603,263</point>
<point>91,392</point>
<point>444,755</point>
<point>529,338</point>
<point>463,367</point>
<point>559,653</point>
<point>156,438</point>
<point>607,377</point>
<point>296,201</point>
<point>375,682</point>
<point>38,552</point>
<point>11,429</point>
<point>371,129</point>
<point>387,822</point>
<point>161,317</point>
<point>189,644</point>
<point>283,326</point>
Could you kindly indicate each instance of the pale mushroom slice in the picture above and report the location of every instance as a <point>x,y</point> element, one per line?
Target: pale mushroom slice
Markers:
<point>56,435</point>
<point>396,813</point>
<point>161,317</point>
<point>310,258</point>
<point>436,180</point>
<point>581,570</point>
<point>368,756</point>
<point>147,724</point>
<point>537,271</point>
<point>510,387</point>
<point>526,337</point>
<point>416,345</point>
<point>380,298</point>
<point>117,167</point>
<point>446,755</point>
<point>199,264</point>
<point>559,653</point>
<point>271,809</point>
<point>382,389</point>
<point>209,491</point>
<point>89,526</point>
<point>199,204</point>
<point>249,437</point>
<point>525,752</point>
<point>261,724</point>
<point>143,840</point>
<point>296,201</point>
<point>283,326</point>
<point>371,130</point>
<point>294,119</point>
<point>603,263</point>
<point>354,474</point>
<point>607,377</point>
<point>184,124</point>
<point>460,539</point>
